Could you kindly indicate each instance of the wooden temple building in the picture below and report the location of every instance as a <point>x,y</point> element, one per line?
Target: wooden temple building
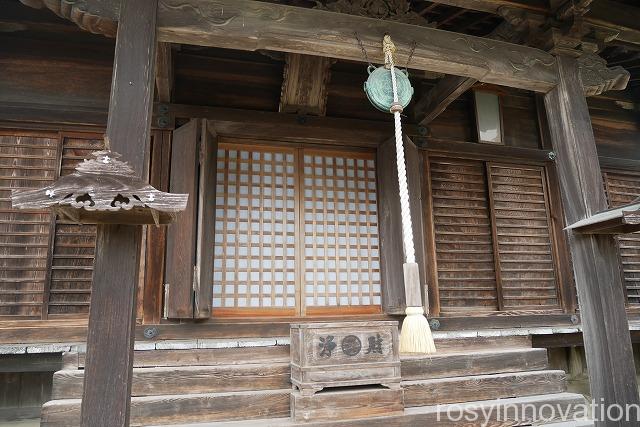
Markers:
<point>524,121</point>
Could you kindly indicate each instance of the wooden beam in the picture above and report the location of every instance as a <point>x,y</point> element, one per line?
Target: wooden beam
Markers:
<point>253,25</point>
<point>447,90</point>
<point>600,291</point>
<point>492,6</point>
<point>110,338</point>
<point>164,72</point>
<point>304,85</point>
<point>267,125</point>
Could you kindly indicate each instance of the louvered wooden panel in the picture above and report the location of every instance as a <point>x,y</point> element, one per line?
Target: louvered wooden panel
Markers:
<point>464,247</point>
<point>74,245</point>
<point>341,266</point>
<point>524,246</point>
<point>25,162</point>
<point>255,260</point>
<point>623,188</point>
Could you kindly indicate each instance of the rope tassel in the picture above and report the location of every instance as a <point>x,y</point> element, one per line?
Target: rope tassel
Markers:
<point>415,335</point>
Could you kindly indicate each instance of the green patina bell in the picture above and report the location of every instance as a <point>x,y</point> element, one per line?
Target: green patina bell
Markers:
<point>379,89</point>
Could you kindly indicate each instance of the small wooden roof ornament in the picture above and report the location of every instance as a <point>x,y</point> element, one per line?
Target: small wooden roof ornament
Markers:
<point>103,190</point>
<point>622,220</point>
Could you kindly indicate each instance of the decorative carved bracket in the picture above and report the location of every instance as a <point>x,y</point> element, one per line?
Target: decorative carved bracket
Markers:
<point>392,10</point>
<point>565,35</point>
<point>597,78</point>
<point>98,17</point>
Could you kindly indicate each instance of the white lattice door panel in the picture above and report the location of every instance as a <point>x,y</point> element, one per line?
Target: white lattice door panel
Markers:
<point>296,232</point>
<point>341,249</point>
<point>255,265</point>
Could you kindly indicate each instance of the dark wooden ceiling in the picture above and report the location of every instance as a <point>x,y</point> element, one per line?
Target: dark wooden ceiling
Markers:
<point>627,57</point>
<point>457,19</point>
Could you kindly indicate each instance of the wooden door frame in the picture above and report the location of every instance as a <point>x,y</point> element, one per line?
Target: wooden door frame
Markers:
<point>299,148</point>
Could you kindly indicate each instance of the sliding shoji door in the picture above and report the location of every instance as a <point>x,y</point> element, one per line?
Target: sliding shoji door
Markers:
<point>296,231</point>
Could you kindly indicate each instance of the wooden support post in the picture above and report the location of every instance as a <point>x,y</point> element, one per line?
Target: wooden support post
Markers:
<point>600,293</point>
<point>110,339</point>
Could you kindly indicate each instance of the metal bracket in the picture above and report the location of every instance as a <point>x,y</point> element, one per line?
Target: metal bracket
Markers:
<point>435,324</point>
<point>165,308</point>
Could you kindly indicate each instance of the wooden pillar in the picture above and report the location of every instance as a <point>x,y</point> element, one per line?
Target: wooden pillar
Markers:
<point>109,361</point>
<point>600,293</point>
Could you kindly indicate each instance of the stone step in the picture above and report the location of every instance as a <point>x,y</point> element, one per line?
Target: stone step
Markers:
<point>482,387</point>
<point>197,356</point>
<point>443,365</point>
<point>158,381</point>
<point>180,409</point>
<point>500,413</point>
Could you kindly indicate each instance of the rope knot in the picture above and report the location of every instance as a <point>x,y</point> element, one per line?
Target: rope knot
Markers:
<point>388,49</point>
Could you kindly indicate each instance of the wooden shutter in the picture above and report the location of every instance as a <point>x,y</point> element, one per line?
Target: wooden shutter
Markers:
<point>463,239</point>
<point>391,245</point>
<point>493,237</point>
<point>181,235</point>
<point>26,161</point>
<point>522,237</point>
<point>74,244</point>
<point>623,188</point>
<point>206,221</point>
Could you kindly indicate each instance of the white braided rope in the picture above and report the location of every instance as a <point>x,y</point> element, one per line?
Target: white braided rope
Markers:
<point>407,227</point>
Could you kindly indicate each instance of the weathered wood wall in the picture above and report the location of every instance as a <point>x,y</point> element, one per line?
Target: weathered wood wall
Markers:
<point>46,79</point>
<point>22,394</point>
<point>616,126</point>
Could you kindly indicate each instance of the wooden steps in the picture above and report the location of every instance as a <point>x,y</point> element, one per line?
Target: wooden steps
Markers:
<point>482,387</point>
<point>172,409</point>
<point>464,343</point>
<point>250,386</point>
<point>443,365</point>
<point>157,381</point>
<point>346,403</point>
<point>565,403</point>
<point>197,357</point>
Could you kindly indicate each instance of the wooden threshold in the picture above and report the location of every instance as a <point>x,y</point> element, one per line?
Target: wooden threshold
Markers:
<point>54,331</point>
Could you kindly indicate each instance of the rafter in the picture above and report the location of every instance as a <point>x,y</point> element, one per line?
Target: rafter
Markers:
<point>447,90</point>
<point>450,17</point>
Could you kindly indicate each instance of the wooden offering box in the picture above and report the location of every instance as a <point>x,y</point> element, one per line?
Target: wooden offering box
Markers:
<point>341,354</point>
